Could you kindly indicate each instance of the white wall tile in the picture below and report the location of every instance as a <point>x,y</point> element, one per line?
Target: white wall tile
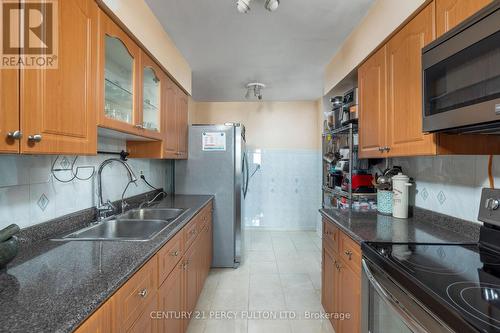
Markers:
<point>23,179</point>
<point>13,207</point>
<point>459,178</point>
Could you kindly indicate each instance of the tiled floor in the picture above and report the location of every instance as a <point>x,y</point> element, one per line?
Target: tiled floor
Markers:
<point>280,276</point>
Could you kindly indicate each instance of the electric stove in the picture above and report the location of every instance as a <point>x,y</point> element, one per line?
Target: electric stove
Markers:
<point>459,284</point>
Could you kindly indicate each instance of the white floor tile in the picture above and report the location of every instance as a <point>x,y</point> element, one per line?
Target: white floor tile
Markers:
<point>281,271</point>
<point>267,326</point>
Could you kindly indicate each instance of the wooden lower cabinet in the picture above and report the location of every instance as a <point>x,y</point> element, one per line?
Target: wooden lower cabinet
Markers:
<point>170,302</point>
<point>341,282</point>
<point>150,302</point>
<point>145,323</point>
<point>349,299</point>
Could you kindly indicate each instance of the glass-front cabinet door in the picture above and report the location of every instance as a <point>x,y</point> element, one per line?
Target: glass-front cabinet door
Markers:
<point>151,94</point>
<point>118,81</point>
<point>120,63</point>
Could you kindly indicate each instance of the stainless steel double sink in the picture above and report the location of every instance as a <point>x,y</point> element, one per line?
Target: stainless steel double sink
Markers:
<point>134,225</point>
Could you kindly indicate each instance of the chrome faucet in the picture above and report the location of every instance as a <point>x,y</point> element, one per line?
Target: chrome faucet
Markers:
<point>104,207</point>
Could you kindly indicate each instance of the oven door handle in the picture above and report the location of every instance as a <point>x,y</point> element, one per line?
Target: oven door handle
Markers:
<point>408,319</point>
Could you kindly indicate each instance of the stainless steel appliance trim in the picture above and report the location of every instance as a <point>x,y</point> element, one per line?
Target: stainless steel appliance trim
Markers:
<point>239,149</point>
<point>470,115</point>
<point>478,30</point>
<point>392,302</point>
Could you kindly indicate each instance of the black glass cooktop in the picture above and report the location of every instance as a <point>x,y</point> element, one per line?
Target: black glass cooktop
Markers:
<point>457,282</point>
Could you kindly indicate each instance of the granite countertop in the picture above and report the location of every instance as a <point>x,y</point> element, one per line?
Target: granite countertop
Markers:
<point>54,286</point>
<point>423,227</point>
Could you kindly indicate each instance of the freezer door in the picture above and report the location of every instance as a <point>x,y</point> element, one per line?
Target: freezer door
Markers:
<point>214,171</point>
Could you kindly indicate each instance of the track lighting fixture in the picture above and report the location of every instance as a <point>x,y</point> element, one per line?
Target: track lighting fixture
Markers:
<point>255,88</point>
<point>243,6</point>
<point>272,5</point>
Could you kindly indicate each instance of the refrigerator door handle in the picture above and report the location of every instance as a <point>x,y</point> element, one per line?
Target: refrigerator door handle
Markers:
<point>246,175</point>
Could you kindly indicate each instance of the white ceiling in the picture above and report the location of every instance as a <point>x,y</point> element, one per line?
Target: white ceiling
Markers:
<point>287,49</point>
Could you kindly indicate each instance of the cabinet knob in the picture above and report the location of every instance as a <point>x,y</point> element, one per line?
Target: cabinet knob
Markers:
<point>16,135</point>
<point>143,293</point>
<point>175,253</point>
<point>348,253</point>
<point>35,138</point>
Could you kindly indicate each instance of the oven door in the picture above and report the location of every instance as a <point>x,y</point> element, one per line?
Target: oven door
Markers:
<point>388,308</point>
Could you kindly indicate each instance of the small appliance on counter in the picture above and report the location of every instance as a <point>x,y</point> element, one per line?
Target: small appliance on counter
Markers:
<point>362,182</point>
<point>349,107</point>
<point>9,244</point>
<point>400,189</point>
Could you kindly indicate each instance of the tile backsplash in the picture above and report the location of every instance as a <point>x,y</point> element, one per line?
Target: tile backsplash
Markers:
<point>285,193</point>
<point>450,185</point>
<point>29,193</point>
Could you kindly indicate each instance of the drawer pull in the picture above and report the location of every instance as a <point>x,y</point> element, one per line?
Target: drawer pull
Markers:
<point>143,293</point>
<point>174,253</point>
<point>348,253</point>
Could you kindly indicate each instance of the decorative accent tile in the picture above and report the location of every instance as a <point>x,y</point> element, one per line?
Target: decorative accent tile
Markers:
<point>43,201</point>
<point>441,197</point>
<point>65,163</point>
<point>424,194</point>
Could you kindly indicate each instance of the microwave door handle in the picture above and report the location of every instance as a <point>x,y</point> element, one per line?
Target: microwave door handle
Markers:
<point>408,319</point>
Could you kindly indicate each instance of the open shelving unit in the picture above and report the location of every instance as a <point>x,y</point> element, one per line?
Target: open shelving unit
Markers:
<point>332,141</point>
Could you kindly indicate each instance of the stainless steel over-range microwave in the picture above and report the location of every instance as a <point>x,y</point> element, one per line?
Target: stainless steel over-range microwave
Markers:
<point>461,77</point>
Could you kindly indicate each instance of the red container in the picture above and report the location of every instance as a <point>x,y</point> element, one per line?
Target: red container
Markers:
<point>360,180</point>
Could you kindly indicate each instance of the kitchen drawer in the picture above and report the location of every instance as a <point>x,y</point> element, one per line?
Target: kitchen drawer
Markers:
<point>350,252</point>
<point>169,255</point>
<point>331,235</point>
<point>135,295</point>
<point>192,230</point>
<point>146,324</point>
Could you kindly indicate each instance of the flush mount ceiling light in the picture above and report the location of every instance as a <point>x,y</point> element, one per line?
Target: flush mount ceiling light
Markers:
<point>272,5</point>
<point>255,88</point>
<point>243,6</point>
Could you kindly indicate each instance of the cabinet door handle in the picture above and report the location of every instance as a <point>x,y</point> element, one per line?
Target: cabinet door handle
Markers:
<point>16,135</point>
<point>143,293</point>
<point>35,138</point>
<point>348,253</point>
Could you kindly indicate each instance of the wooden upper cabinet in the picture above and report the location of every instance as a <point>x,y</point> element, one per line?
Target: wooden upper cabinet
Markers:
<point>372,105</point>
<point>58,105</point>
<point>9,110</point>
<point>151,106</point>
<point>181,106</point>
<point>171,135</point>
<point>450,13</point>
<point>404,76</point>
<point>119,76</point>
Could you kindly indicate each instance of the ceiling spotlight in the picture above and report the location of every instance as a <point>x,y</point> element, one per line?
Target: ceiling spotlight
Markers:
<point>272,5</point>
<point>255,88</point>
<point>243,6</point>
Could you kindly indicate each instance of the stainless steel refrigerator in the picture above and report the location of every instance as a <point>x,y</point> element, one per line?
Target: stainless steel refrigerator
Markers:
<point>218,165</point>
